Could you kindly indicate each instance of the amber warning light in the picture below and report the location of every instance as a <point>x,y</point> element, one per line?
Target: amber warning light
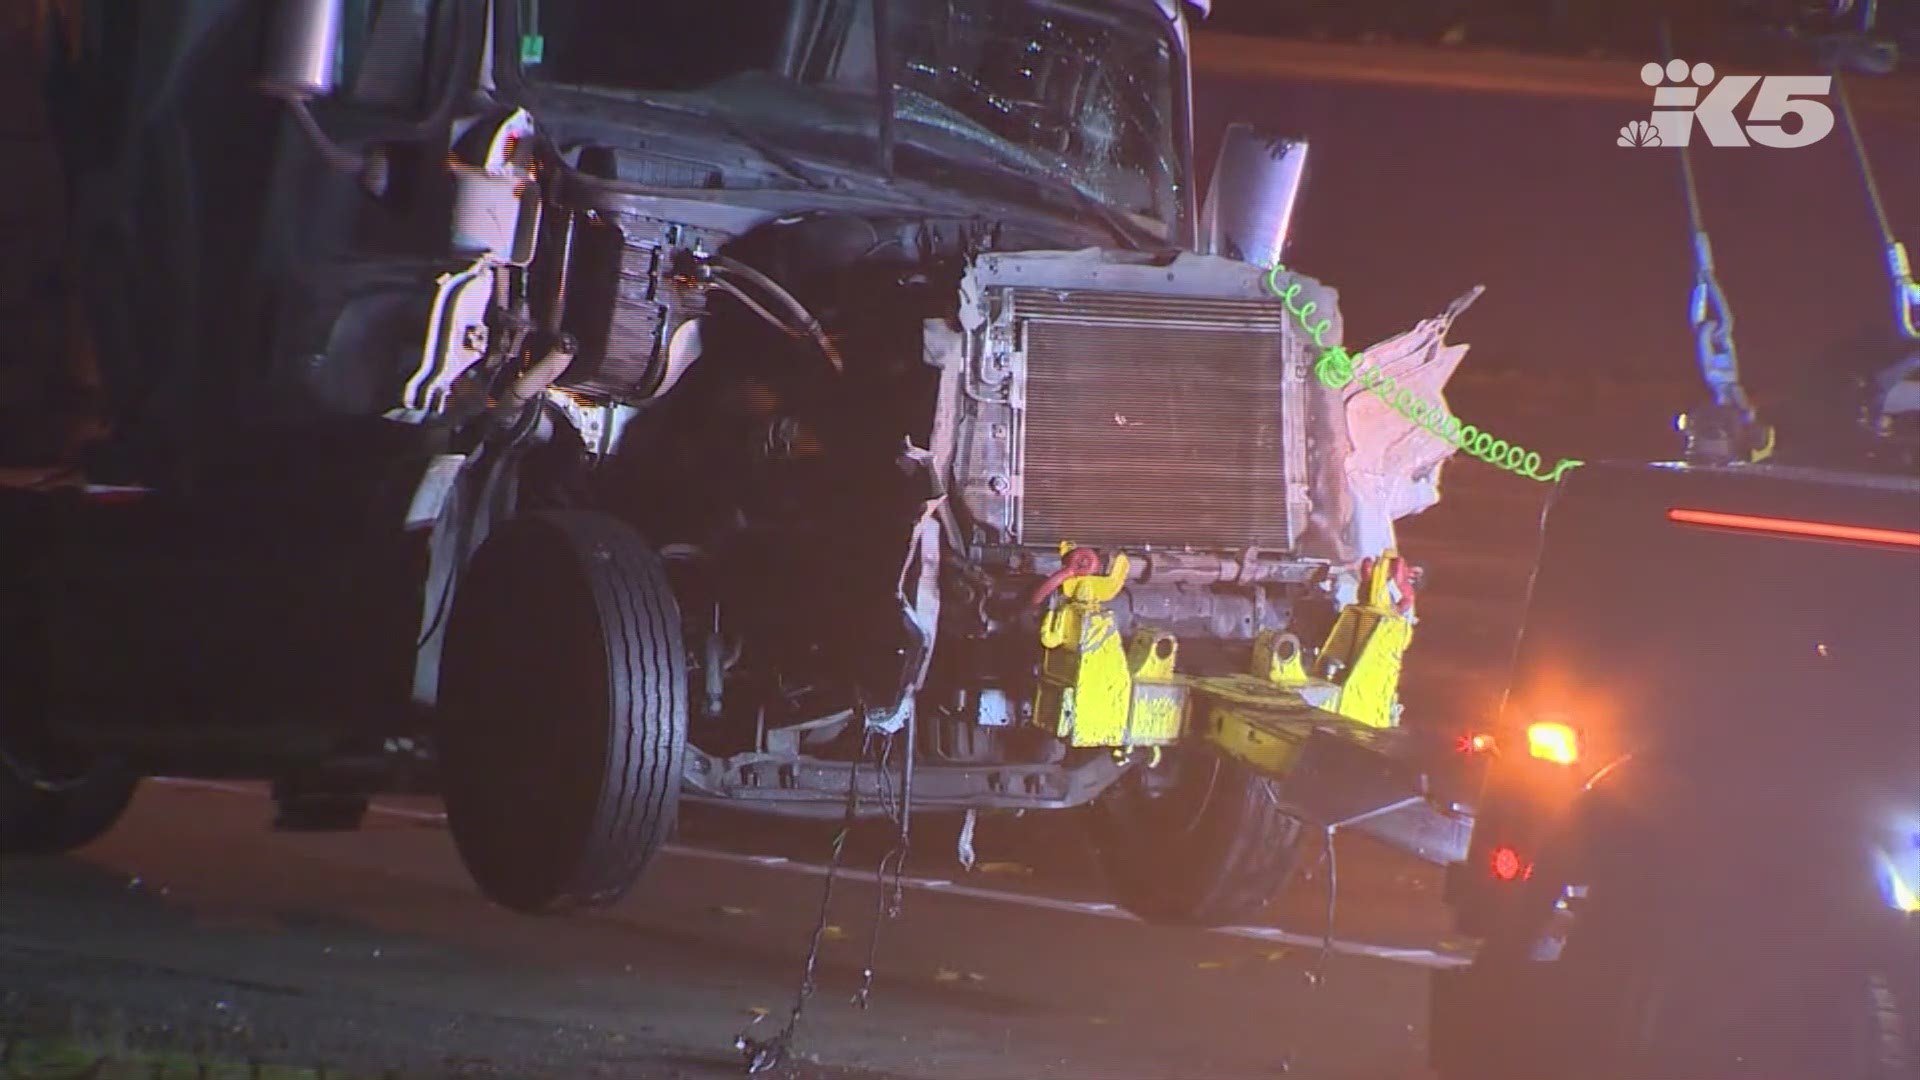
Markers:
<point>1553,741</point>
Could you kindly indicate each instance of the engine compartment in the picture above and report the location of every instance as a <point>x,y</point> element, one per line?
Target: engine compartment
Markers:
<point>863,437</point>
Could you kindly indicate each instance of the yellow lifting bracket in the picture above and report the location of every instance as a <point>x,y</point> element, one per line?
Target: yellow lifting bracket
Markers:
<point>1364,650</point>
<point>1265,718</point>
<point>1095,691</point>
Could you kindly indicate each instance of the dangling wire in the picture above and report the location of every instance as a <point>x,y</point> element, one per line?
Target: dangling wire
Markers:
<point>888,879</point>
<point>762,1055</point>
<point>774,1051</point>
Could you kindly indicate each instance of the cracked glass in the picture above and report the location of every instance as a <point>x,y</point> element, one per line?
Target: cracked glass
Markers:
<point>1076,95</point>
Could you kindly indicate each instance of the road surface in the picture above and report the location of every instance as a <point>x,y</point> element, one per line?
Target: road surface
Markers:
<point>371,949</point>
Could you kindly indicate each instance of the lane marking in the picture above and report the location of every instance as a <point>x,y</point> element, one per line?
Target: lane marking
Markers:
<point>1418,957</point>
<point>1272,934</point>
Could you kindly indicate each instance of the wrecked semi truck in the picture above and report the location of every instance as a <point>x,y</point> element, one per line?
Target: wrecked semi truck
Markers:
<point>820,406</point>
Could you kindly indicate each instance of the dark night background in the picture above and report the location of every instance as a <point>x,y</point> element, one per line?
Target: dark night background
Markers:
<point>1583,245</point>
<point>1414,195</point>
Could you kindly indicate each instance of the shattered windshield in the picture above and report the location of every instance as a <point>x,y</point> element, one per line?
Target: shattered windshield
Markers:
<point>1074,94</point>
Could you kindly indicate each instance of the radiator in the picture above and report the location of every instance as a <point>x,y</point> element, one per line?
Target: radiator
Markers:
<point>1153,420</point>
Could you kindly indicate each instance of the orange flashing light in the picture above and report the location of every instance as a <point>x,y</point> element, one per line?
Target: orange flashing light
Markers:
<point>1555,742</point>
<point>1812,530</point>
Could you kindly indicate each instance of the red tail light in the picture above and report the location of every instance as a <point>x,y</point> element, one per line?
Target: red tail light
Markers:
<point>1476,743</point>
<point>1508,866</point>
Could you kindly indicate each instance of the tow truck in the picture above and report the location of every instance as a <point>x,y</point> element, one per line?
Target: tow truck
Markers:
<point>837,408</point>
<point>1696,848</point>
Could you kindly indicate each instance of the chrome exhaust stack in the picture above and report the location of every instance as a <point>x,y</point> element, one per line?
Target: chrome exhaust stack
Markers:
<point>1256,183</point>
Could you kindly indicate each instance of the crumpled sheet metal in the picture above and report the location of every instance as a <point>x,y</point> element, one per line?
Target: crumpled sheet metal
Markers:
<point>1393,464</point>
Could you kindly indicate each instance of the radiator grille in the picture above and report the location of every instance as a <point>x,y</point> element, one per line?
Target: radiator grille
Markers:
<point>1152,420</point>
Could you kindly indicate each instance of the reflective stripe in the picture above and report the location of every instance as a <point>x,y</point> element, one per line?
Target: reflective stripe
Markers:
<point>1814,530</point>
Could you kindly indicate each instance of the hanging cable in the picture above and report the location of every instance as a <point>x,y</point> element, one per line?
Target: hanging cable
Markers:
<point>1336,368</point>
<point>803,321</point>
<point>888,881</point>
<point>776,1050</point>
<point>1708,312</point>
<point>1906,293</point>
<point>1726,430</point>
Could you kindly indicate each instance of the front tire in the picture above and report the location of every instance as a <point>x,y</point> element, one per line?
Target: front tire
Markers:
<point>563,712</point>
<point>53,798</point>
<point>1207,845</point>
<point>45,811</point>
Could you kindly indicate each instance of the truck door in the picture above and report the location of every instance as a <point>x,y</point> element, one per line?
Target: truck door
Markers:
<point>220,242</point>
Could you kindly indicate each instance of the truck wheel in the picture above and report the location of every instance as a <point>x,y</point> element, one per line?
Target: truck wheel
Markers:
<point>52,800</point>
<point>46,810</point>
<point>1206,845</point>
<point>563,712</point>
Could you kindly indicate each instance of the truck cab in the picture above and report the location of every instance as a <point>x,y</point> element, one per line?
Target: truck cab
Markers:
<point>573,407</point>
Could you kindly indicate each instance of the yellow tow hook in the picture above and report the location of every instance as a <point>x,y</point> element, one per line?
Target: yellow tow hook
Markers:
<point>1124,755</point>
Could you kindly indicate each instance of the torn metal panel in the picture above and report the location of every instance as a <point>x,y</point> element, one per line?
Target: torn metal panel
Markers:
<point>918,595</point>
<point>1328,533</point>
<point>1393,463</point>
<point>1120,271</point>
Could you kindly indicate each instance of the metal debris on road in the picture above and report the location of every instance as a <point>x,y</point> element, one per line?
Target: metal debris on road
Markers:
<point>964,847</point>
<point>1009,869</point>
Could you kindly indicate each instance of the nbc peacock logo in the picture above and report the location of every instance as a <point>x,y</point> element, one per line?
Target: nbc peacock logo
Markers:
<point>1639,133</point>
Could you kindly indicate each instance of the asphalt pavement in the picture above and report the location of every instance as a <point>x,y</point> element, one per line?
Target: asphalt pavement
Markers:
<point>371,948</point>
